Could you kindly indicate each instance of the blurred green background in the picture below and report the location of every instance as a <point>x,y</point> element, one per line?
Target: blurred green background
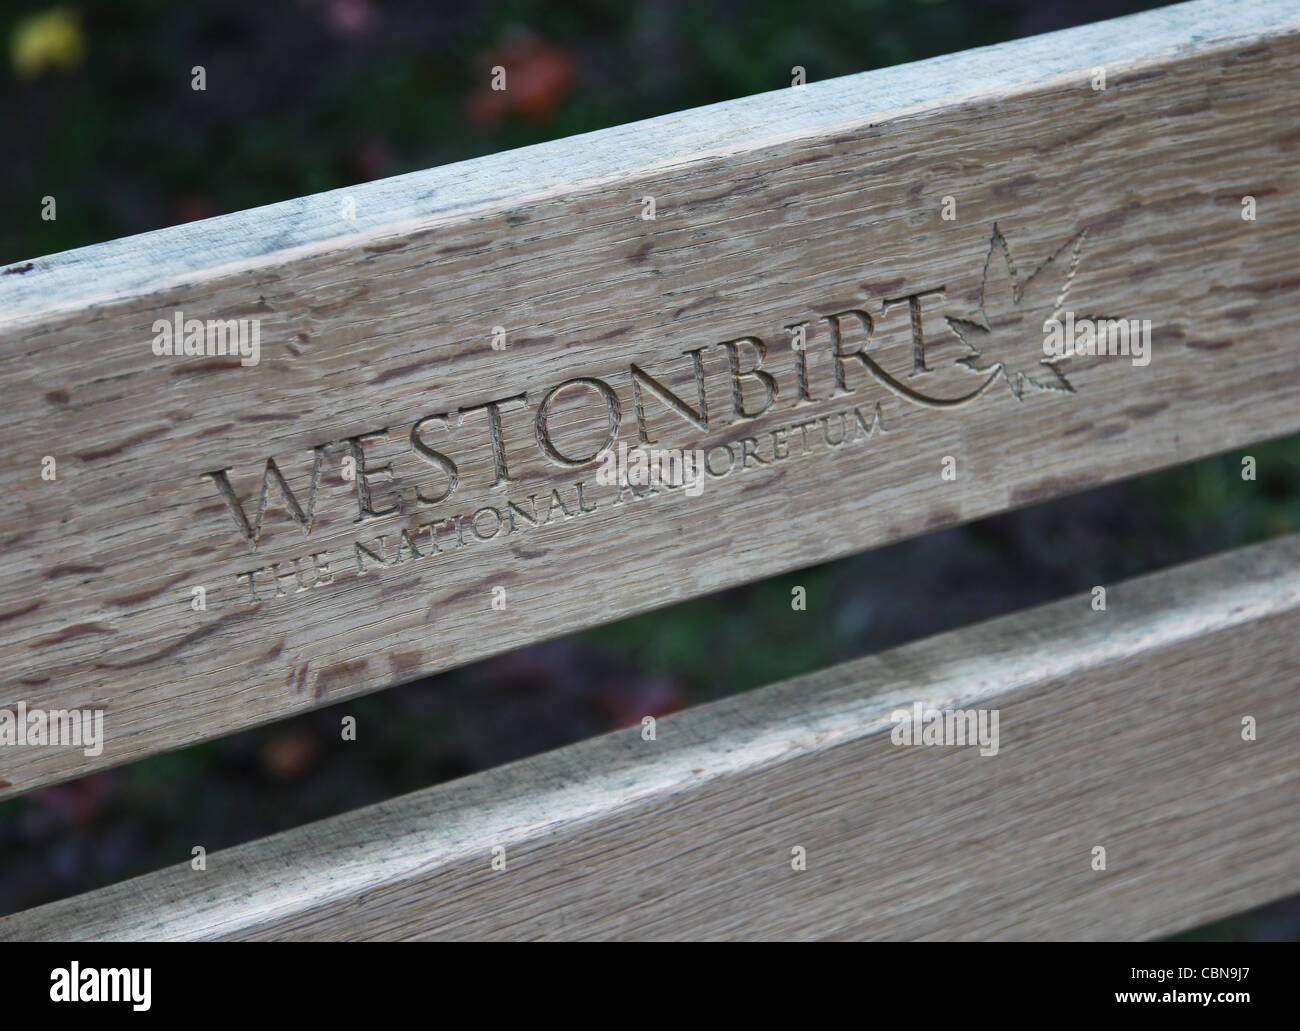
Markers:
<point>305,96</point>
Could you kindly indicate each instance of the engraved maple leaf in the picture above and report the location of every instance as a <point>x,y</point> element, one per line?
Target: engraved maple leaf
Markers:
<point>1005,334</point>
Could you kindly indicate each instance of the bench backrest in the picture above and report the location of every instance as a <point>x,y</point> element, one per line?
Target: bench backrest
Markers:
<point>834,306</point>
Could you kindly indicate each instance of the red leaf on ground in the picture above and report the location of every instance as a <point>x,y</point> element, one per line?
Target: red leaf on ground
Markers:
<point>192,208</point>
<point>537,75</point>
<point>288,754</point>
<point>629,703</point>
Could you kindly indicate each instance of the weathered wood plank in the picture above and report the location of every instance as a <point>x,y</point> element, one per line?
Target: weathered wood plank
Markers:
<point>1127,199</point>
<point>1120,729</point>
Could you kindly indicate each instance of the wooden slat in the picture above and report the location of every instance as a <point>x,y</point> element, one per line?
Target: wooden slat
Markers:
<point>771,212</point>
<point>1120,729</point>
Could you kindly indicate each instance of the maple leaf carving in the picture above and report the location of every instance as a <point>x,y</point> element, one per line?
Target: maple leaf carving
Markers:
<point>1005,334</point>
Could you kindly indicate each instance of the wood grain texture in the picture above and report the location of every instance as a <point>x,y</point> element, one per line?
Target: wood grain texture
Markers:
<point>1120,729</point>
<point>1124,202</point>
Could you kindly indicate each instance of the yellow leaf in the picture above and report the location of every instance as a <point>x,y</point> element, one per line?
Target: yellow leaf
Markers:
<point>52,39</point>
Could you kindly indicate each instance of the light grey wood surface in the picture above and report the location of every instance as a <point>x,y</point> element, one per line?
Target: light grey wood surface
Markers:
<point>1120,729</point>
<point>1122,202</point>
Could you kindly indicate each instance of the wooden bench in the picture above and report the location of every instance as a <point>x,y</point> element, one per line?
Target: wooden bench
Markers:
<point>836,297</point>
